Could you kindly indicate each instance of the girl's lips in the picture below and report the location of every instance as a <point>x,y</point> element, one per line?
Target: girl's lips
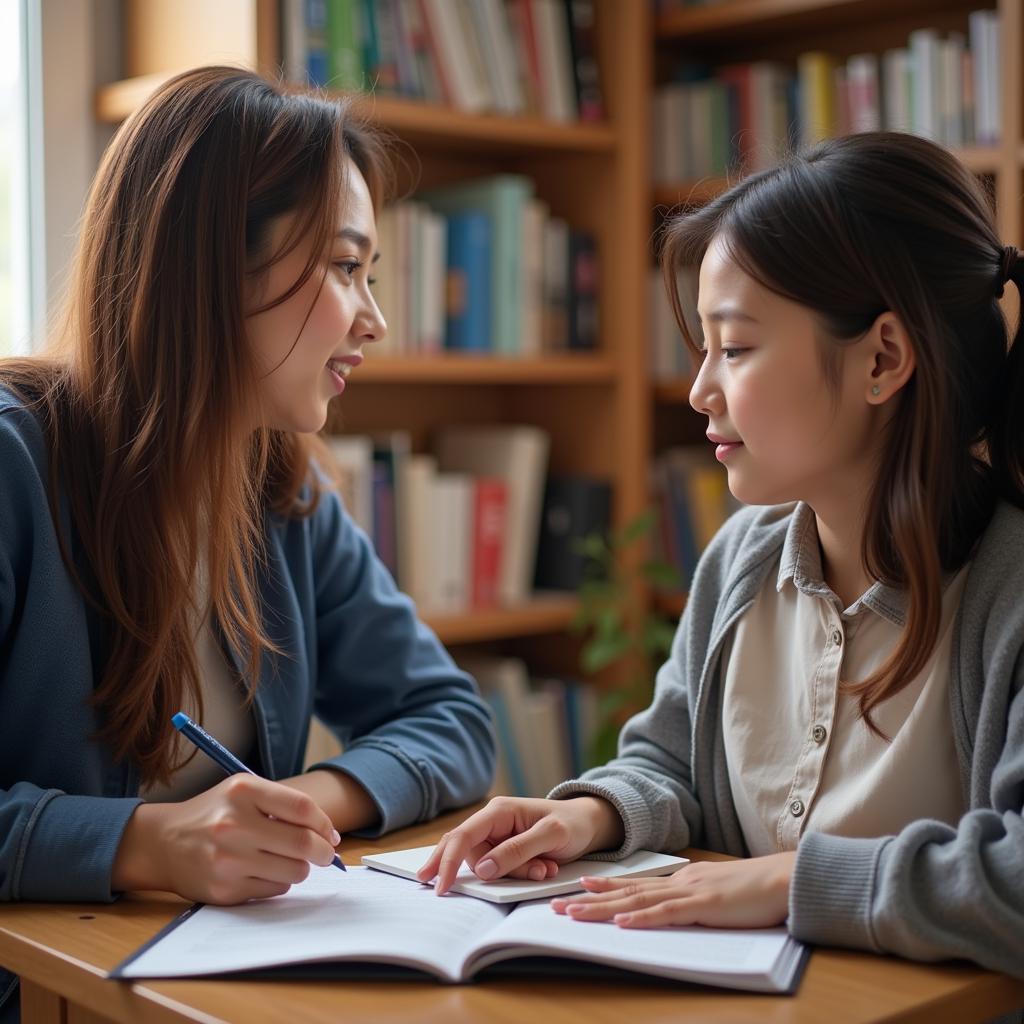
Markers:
<point>723,451</point>
<point>337,380</point>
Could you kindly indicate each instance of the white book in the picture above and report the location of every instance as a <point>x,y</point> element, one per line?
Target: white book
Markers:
<point>951,54</point>
<point>386,272</point>
<point>519,455</point>
<point>535,215</point>
<point>925,62</point>
<point>453,52</point>
<point>368,917</point>
<point>555,58</point>
<point>495,35</point>
<point>896,90</point>
<point>451,531</point>
<point>415,530</point>
<point>294,41</point>
<point>641,864</point>
<point>862,76</point>
<point>353,458</point>
<point>980,43</point>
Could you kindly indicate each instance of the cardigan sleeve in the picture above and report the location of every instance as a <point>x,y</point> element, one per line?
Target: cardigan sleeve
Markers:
<point>415,731</point>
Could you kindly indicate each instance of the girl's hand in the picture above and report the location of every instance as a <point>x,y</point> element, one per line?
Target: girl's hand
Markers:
<point>751,893</point>
<point>246,838</point>
<point>523,838</point>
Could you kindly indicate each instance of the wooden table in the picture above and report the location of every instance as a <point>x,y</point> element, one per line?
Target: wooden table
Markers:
<point>63,951</point>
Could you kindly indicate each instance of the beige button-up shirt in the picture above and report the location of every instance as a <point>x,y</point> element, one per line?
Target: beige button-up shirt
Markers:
<point>799,757</point>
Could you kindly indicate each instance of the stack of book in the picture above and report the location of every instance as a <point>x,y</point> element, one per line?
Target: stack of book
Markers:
<point>545,727</point>
<point>670,359</point>
<point>503,56</point>
<point>693,499</point>
<point>457,528</point>
<point>708,122</point>
<point>484,267</point>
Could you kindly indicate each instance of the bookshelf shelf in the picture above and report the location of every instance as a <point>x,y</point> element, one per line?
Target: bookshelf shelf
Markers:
<point>671,604</point>
<point>420,122</point>
<point>467,369</point>
<point>670,392</point>
<point>413,120</point>
<point>752,19</point>
<point>689,193</point>
<point>542,615</point>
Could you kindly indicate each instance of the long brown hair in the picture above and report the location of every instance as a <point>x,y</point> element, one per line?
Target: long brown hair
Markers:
<point>147,396</point>
<point>850,229</point>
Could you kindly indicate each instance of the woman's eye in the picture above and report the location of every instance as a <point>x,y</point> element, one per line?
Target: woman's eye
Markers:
<point>349,266</point>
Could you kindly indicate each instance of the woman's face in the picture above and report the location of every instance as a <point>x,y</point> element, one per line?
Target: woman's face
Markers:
<point>781,433</point>
<point>306,346</point>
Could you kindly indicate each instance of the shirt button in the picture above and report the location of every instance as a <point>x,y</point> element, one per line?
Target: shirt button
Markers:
<point>837,637</point>
<point>818,734</point>
<point>796,808</point>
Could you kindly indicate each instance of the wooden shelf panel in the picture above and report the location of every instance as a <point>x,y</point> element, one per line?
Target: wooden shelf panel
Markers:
<point>548,614</point>
<point>671,605</point>
<point>751,19</point>
<point>672,391</point>
<point>468,369</point>
<point>429,123</point>
<point>413,120</point>
<point>979,159</point>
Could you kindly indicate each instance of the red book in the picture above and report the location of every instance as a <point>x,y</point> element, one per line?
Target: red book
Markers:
<point>737,78</point>
<point>490,501</point>
<point>521,19</point>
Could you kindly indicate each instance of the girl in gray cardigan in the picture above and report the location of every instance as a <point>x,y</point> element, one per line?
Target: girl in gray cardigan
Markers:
<point>843,705</point>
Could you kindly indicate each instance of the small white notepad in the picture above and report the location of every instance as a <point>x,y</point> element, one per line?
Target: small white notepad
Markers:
<point>642,864</point>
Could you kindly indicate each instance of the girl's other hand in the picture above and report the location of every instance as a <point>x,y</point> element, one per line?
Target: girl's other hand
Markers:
<point>523,838</point>
<point>246,838</point>
<point>751,893</point>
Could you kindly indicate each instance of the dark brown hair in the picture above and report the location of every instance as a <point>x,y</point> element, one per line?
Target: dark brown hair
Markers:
<point>147,397</point>
<point>855,227</point>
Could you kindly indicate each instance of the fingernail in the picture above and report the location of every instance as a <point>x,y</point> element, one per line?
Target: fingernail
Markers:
<point>486,868</point>
<point>335,837</point>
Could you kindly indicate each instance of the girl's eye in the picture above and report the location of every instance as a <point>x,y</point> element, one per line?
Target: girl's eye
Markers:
<point>371,281</point>
<point>730,354</point>
<point>351,267</point>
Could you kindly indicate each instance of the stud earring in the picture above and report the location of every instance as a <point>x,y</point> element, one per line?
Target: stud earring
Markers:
<point>875,389</point>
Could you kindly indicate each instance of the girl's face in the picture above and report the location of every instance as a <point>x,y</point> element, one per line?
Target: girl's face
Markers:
<point>306,346</point>
<point>777,427</point>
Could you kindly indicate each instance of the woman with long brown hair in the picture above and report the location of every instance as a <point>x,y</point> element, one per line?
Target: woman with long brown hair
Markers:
<point>843,707</point>
<point>169,540</point>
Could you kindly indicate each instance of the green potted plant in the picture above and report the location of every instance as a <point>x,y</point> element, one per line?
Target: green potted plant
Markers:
<point>624,635</point>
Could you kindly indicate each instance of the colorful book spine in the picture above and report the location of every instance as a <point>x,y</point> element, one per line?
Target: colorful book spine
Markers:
<point>489,519</point>
<point>469,318</point>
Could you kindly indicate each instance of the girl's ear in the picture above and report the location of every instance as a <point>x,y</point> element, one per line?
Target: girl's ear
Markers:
<point>891,358</point>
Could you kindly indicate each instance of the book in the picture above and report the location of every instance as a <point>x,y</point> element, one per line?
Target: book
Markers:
<point>502,197</point>
<point>519,456</point>
<point>351,924</point>
<point>641,864</point>
<point>490,502</point>
<point>468,319</point>
<point>574,508</point>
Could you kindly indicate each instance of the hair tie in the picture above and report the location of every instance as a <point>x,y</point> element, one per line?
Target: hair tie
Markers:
<point>1007,267</point>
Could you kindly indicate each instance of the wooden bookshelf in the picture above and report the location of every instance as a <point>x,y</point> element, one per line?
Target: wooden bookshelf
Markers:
<point>449,368</point>
<point>545,614</point>
<point>594,405</point>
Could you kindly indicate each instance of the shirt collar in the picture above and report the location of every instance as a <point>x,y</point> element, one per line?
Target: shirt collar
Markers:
<point>801,563</point>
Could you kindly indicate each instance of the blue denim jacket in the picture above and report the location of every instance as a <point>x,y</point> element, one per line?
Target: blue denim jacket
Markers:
<point>416,734</point>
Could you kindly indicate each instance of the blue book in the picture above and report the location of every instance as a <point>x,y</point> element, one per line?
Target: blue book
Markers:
<point>508,752</point>
<point>317,60</point>
<point>503,197</point>
<point>469,311</point>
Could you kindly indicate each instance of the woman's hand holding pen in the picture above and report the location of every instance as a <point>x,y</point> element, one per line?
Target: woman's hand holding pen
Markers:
<point>523,838</point>
<point>751,893</point>
<point>246,838</point>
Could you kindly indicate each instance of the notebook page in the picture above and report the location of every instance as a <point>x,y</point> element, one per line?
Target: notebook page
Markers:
<point>360,915</point>
<point>733,957</point>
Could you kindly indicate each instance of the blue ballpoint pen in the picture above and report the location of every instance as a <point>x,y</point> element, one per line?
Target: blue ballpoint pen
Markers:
<point>219,753</point>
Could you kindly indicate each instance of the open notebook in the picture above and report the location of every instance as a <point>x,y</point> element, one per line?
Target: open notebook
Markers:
<point>367,917</point>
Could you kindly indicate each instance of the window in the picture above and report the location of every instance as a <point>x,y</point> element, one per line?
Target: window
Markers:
<point>16,141</point>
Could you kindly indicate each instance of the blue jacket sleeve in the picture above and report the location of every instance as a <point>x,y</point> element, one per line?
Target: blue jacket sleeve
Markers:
<point>53,845</point>
<point>415,731</point>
